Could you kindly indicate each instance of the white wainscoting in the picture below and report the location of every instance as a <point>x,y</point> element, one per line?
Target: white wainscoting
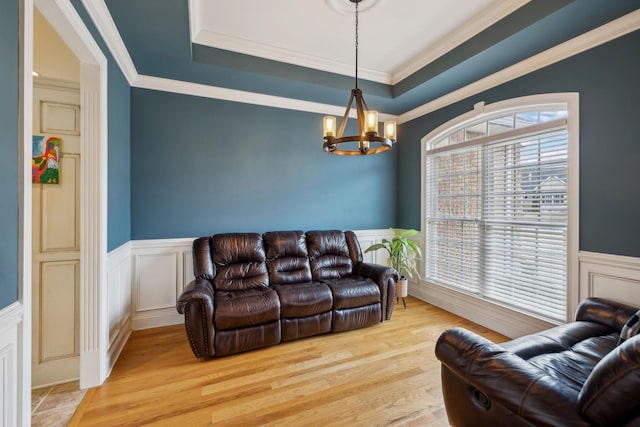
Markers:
<point>118,300</point>
<point>601,275</point>
<point>162,268</point>
<point>610,276</point>
<point>10,320</point>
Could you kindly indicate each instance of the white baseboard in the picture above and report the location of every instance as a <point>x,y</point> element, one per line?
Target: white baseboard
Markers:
<point>495,317</point>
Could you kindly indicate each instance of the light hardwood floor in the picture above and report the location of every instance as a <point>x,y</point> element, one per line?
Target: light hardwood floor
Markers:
<point>385,375</point>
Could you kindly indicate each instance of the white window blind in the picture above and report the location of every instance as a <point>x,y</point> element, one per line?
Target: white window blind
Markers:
<point>496,195</point>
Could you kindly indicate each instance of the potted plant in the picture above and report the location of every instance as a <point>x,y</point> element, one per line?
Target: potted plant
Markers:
<point>403,254</point>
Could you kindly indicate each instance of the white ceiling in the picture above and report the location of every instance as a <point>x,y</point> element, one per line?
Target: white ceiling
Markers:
<point>396,37</point>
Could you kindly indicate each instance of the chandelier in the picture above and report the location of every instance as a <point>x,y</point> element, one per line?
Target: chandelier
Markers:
<point>369,142</point>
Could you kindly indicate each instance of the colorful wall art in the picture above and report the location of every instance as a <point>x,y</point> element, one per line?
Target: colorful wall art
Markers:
<point>45,160</point>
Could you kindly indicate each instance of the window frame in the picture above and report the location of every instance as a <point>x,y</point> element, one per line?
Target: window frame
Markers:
<point>482,111</point>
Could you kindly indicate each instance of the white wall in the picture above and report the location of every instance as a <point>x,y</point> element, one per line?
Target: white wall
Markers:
<point>52,58</point>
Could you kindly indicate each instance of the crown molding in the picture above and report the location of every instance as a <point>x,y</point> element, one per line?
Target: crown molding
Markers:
<point>468,30</point>
<point>603,34</point>
<point>262,50</point>
<point>234,95</point>
<point>99,13</point>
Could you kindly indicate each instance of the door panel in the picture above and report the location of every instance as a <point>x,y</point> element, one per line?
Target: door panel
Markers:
<point>56,297</point>
<point>61,208</point>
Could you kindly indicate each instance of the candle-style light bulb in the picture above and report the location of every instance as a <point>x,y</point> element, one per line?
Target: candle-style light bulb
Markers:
<point>390,130</point>
<point>371,121</point>
<point>329,126</point>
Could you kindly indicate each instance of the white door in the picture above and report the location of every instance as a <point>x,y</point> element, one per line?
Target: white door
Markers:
<point>56,242</point>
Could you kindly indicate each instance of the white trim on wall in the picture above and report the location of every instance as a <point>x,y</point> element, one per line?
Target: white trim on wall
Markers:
<point>11,319</point>
<point>64,18</point>
<point>606,276</point>
<point>579,44</point>
<point>490,314</point>
<point>605,33</point>
<point>610,276</point>
<point>118,300</point>
<point>23,327</point>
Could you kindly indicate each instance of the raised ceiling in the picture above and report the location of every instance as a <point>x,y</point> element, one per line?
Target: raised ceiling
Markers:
<point>396,37</point>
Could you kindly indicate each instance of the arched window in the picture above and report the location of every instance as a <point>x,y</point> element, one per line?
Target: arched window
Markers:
<point>497,188</point>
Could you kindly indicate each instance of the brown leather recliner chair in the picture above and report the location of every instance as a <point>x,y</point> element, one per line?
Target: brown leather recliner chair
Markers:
<point>577,374</point>
<point>255,290</point>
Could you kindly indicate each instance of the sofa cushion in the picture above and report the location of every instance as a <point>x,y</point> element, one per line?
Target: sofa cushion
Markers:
<point>239,309</point>
<point>304,299</point>
<point>239,260</point>
<point>572,367</point>
<point>328,254</point>
<point>354,318</point>
<point>351,292</point>
<point>306,326</point>
<point>287,258</point>
<point>245,339</point>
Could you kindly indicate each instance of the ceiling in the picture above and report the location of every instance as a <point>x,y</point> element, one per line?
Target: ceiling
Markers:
<point>396,37</point>
<point>411,52</point>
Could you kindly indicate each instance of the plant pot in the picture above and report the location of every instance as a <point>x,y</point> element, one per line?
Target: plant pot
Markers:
<point>402,287</point>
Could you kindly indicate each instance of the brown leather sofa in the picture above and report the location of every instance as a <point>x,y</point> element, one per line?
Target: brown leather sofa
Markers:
<point>255,290</point>
<point>577,374</point>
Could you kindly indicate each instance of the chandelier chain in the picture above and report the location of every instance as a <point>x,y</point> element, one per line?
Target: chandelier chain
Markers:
<point>357,44</point>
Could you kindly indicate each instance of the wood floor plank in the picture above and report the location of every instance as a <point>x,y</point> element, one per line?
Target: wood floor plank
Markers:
<point>385,375</point>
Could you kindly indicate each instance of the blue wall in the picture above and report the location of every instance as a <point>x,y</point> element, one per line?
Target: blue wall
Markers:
<point>202,166</point>
<point>607,79</point>
<point>9,88</point>
<point>119,157</point>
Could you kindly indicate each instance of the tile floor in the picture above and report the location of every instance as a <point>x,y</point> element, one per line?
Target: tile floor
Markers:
<point>54,406</point>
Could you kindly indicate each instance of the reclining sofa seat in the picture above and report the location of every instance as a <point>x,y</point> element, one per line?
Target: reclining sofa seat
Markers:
<point>252,290</point>
<point>576,374</point>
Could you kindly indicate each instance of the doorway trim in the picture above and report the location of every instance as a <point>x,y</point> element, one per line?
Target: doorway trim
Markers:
<point>94,325</point>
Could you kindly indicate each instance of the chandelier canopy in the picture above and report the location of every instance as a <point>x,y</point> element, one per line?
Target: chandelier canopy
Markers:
<point>368,141</point>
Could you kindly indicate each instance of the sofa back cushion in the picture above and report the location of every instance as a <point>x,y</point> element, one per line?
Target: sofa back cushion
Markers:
<point>328,254</point>
<point>239,261</point>
<point>287,257</point>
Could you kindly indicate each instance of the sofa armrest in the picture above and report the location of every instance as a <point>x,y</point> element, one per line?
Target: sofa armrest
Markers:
<point>507,379</point>
<point>609,396</point>
<point>196,303</point>
<point>386,278</point>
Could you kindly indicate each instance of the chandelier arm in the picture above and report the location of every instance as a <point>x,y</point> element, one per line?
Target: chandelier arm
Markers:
<point>360,114</point>
<point>343,123</point>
